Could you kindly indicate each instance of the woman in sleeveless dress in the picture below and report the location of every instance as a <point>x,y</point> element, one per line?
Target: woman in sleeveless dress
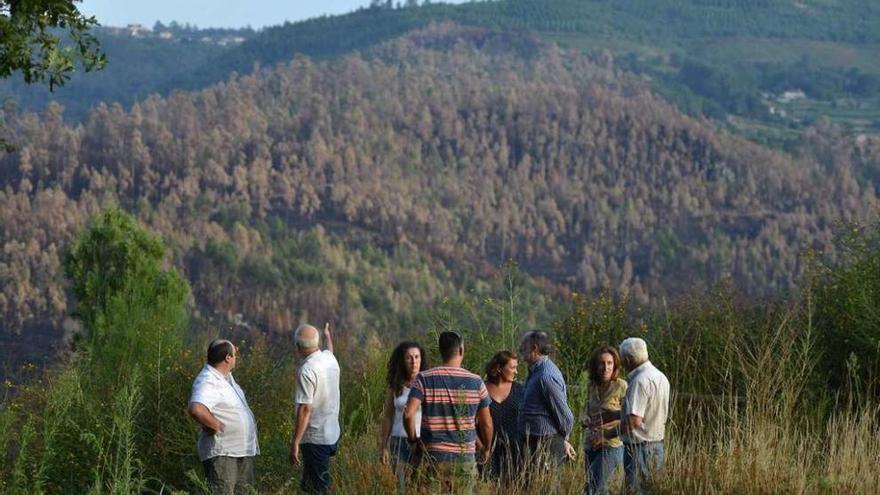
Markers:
<point>407,359</point>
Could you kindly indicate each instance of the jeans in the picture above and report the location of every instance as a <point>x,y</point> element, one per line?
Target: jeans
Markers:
<point>600,465</point>
<point>316,468</point>
<point>229,475</point>
<point>401,463</point>
<point>641,462</point>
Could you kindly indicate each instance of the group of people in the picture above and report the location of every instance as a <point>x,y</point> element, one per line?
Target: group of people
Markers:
<point>444,426</point>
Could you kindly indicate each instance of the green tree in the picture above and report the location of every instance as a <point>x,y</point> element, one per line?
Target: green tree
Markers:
<point>131,308</point>
<point>847,295</point>
<point>31,41</point>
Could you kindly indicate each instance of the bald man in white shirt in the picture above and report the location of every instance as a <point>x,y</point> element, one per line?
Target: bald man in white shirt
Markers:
<point>317,432</point>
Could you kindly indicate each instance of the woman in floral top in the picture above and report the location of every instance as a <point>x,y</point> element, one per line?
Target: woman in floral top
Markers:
<point>602,416</point>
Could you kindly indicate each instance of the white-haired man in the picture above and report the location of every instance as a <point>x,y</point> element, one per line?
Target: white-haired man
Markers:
<point>317,409</point>
<point>645,409</point>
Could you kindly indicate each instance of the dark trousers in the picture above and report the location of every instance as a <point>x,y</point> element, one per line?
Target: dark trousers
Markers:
<point>547,451</point>
<point>229,475</point>
<point>316,468</point>
<point>542,455</point>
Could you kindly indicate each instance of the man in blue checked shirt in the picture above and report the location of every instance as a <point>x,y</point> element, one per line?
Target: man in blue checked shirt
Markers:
<point>545,420</point>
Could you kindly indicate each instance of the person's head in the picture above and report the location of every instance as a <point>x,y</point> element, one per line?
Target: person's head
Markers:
<point>502,367</point>
<point>222,355</point>
<point>307,339</point>
<point>633,353</point>
<point>604,366</point>
<point>451,347</point>
<point>534,345</point>
<point>407,359</point>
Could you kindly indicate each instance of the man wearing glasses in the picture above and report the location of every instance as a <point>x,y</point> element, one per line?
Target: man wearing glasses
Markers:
<point>227,441</point>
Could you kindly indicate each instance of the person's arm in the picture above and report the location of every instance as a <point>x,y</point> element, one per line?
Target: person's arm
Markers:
<point>630,417</point>
<point>485,433</point>
<point>303,413</point>
<point>409,418</point>
<point>385,429</point>
<point>203,416</point>
<point>605,417</point>
<point>306,385</point>
<point>328,337</point>
<point>554,393</point>
<point>634,422</point>
<point>586,420</point>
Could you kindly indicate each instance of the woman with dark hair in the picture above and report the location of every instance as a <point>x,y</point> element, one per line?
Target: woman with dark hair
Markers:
<point>600,418</point>
<point>506,394</point>
<point>406,361</point>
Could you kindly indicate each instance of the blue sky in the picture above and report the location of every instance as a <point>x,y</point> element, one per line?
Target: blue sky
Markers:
<point>214,13</point>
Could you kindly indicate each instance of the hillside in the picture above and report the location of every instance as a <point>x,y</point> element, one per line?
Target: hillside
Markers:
<point>447,151</point>
<point>143,62</point>
<point>712,58</point>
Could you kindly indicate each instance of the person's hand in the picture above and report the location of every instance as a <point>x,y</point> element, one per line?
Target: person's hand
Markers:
<point>570,453</point>
<point>218,427</point>
<point>386,456</point>
<point>327,334</point>
<point>416,447</point>
<point>294,453</point>
<point>485,455</point>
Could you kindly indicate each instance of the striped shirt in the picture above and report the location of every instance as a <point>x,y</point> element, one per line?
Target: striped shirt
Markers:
<point>545,408</point>
<point>450,399</point>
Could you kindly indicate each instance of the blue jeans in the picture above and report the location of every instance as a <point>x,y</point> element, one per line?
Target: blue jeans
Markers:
<point>601,464</point>
<point>316,468</point>
<point>401,462</point>
<point>641,461</point>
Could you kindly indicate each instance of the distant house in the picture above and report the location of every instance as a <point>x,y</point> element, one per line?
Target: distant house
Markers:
<point>137,30</point>
<point>791,95</point>
<point>230,40</point>
<point>166,35</point>
<point>777,111</point>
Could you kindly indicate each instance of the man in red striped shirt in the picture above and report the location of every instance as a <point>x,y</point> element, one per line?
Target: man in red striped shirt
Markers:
<point>455,409</point>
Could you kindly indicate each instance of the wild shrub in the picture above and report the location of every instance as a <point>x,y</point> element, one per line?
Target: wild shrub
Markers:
<point>846,292</point>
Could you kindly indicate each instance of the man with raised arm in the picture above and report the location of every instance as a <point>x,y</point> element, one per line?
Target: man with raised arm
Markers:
<point>317,409</point>
<point>228,439</point>
<point>455,410</point>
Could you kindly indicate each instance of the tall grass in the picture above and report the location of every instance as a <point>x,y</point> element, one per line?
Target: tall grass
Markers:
<point>770,432</point>
<point>767,430</point>
<point>757,406</point>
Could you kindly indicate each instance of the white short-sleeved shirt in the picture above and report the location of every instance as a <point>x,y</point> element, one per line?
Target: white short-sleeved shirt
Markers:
<point>226,401</point>
<point>397,429</point>
<point>317,384</point>
<point>647,397</point>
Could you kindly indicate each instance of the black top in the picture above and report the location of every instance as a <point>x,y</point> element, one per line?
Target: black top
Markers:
<point>505,452</point>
